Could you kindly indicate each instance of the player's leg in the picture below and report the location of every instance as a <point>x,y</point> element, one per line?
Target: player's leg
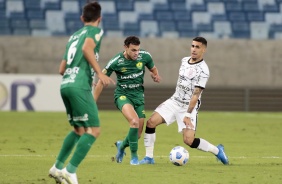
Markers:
<point>200,143</point>
<point>68,143</point>
<point>86,121</point>
<point>150,137</point>
<point>133,120</point>
<point>164,113</point>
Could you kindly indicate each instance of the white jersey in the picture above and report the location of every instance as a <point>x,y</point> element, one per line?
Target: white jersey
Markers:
<point>191,75</point>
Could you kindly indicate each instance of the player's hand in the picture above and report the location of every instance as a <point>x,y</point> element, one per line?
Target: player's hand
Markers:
<point>105,79</point>
<point>156,78</point>
<point>188,123</point>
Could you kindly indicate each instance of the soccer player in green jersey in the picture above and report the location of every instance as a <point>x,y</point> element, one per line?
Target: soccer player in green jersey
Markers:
<point>77,68</point>
<point>129,67</point>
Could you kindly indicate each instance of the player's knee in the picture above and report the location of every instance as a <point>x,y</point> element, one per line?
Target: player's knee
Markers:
<point>134,122</point>
<point>150,123</point>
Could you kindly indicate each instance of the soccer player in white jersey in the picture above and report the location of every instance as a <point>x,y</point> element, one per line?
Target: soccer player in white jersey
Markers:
<point>183,105</point>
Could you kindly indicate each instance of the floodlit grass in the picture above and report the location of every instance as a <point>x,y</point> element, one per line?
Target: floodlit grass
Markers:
<point>30,142</point>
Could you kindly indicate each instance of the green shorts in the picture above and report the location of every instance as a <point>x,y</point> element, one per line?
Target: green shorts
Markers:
<point>80,106</point>
<point>138,104</point>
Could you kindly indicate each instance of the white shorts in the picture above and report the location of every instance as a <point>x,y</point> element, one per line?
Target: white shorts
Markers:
<point>172,112</point>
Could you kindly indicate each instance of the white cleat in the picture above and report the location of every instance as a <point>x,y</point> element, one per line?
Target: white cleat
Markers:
<point>70,178</point>
<point>56,175</point>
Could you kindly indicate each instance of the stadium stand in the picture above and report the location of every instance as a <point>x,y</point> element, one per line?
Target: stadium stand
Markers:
<point>248,19</point>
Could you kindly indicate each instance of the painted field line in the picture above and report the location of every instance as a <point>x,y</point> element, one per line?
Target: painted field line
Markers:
<point>158,156</point>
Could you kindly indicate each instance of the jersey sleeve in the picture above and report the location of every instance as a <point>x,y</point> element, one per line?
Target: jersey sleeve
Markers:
<point>149,60</point>
<point>95,34</point>
<point>203,77</point>
<point>110,67</point>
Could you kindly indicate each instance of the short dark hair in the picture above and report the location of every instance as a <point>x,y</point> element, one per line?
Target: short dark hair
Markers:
<point>134,40</point>
<point>91,11</point>
<point>201,39</point>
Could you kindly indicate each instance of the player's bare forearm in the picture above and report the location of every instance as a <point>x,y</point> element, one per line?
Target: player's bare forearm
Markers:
<point>155,74</point>
<point>196,94</point>
<point>98,88</point>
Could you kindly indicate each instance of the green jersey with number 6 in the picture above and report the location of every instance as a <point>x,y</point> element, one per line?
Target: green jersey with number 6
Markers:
<point>79,73</point>
<point>129,73</point>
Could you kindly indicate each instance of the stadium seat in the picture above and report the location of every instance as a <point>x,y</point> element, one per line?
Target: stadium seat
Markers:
<point>218,17</point>
<point>22,31</point>
<point>198,8</point>
<point>204,27</point>
<point>177,6</point>
<point>70,6</point>
<point>236,16</point>
<point>216,8</point>
<point>37,24</point>
<point>183,26</point>
<point>163,15</point>
<point>222,29</point>
<point>55,21</point>
<point>127,16</point>
<point>182,15</point>
<point>143,7</point>
<point>146,16</point>
<point>52,6</point>
<point>108,6</point>
<point>250,7</point>
<point>270,8</point>
<point>167,26</point>
<point>149,29</point>
<point>17,15</point>
<point>233,6</point>
<point>124,5</point>
<point>255,16</point>
<point>131,26</point>
<point>189,34</point>
<point>161,6</point>
<point>259,30</point>
<point>36,14</point>
<point>32,4</point>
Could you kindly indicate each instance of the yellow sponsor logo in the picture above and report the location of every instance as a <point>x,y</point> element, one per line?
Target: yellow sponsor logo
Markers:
<point>123,69</point>
<point>139,65</point>
<point>122,97</point>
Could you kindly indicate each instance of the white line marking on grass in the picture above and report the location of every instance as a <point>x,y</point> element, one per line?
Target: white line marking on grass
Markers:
<point>238,157</point>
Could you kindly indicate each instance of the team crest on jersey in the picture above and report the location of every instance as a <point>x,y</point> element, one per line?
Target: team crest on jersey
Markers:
<point>139,65</point>
<point>123,69</point>
<point>122,97</point>
<point>191,72</point>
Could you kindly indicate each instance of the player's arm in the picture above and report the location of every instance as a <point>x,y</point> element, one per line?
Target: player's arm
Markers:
<point>98,90</point>
<point>88,51</point>
<point>194,99</point>
<point>62,67</point>
<point>155,74</point>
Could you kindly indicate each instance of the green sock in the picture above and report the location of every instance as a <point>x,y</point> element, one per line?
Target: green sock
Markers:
<point>68,144</point>
<point>125,143</point>
<point>133,141</point>
<point>83,146</point>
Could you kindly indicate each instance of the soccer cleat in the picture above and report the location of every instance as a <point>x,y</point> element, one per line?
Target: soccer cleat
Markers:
<point>147,160</point>
<point>120,152</point>
<point>56,175</point>
<point>221,155</point>
<point>134,161</point>
<point>70,178</point>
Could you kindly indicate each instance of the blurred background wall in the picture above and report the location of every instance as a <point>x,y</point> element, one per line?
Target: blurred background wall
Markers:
<point>244,44</point>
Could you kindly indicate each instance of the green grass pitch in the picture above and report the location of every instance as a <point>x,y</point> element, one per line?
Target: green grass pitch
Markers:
<point>30,142</point>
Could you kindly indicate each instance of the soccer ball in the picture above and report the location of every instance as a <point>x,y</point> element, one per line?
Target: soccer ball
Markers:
<point>179,156</point>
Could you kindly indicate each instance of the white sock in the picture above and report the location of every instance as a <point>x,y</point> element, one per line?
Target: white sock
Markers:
<point>149,142</point>
<point>207,147</point>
